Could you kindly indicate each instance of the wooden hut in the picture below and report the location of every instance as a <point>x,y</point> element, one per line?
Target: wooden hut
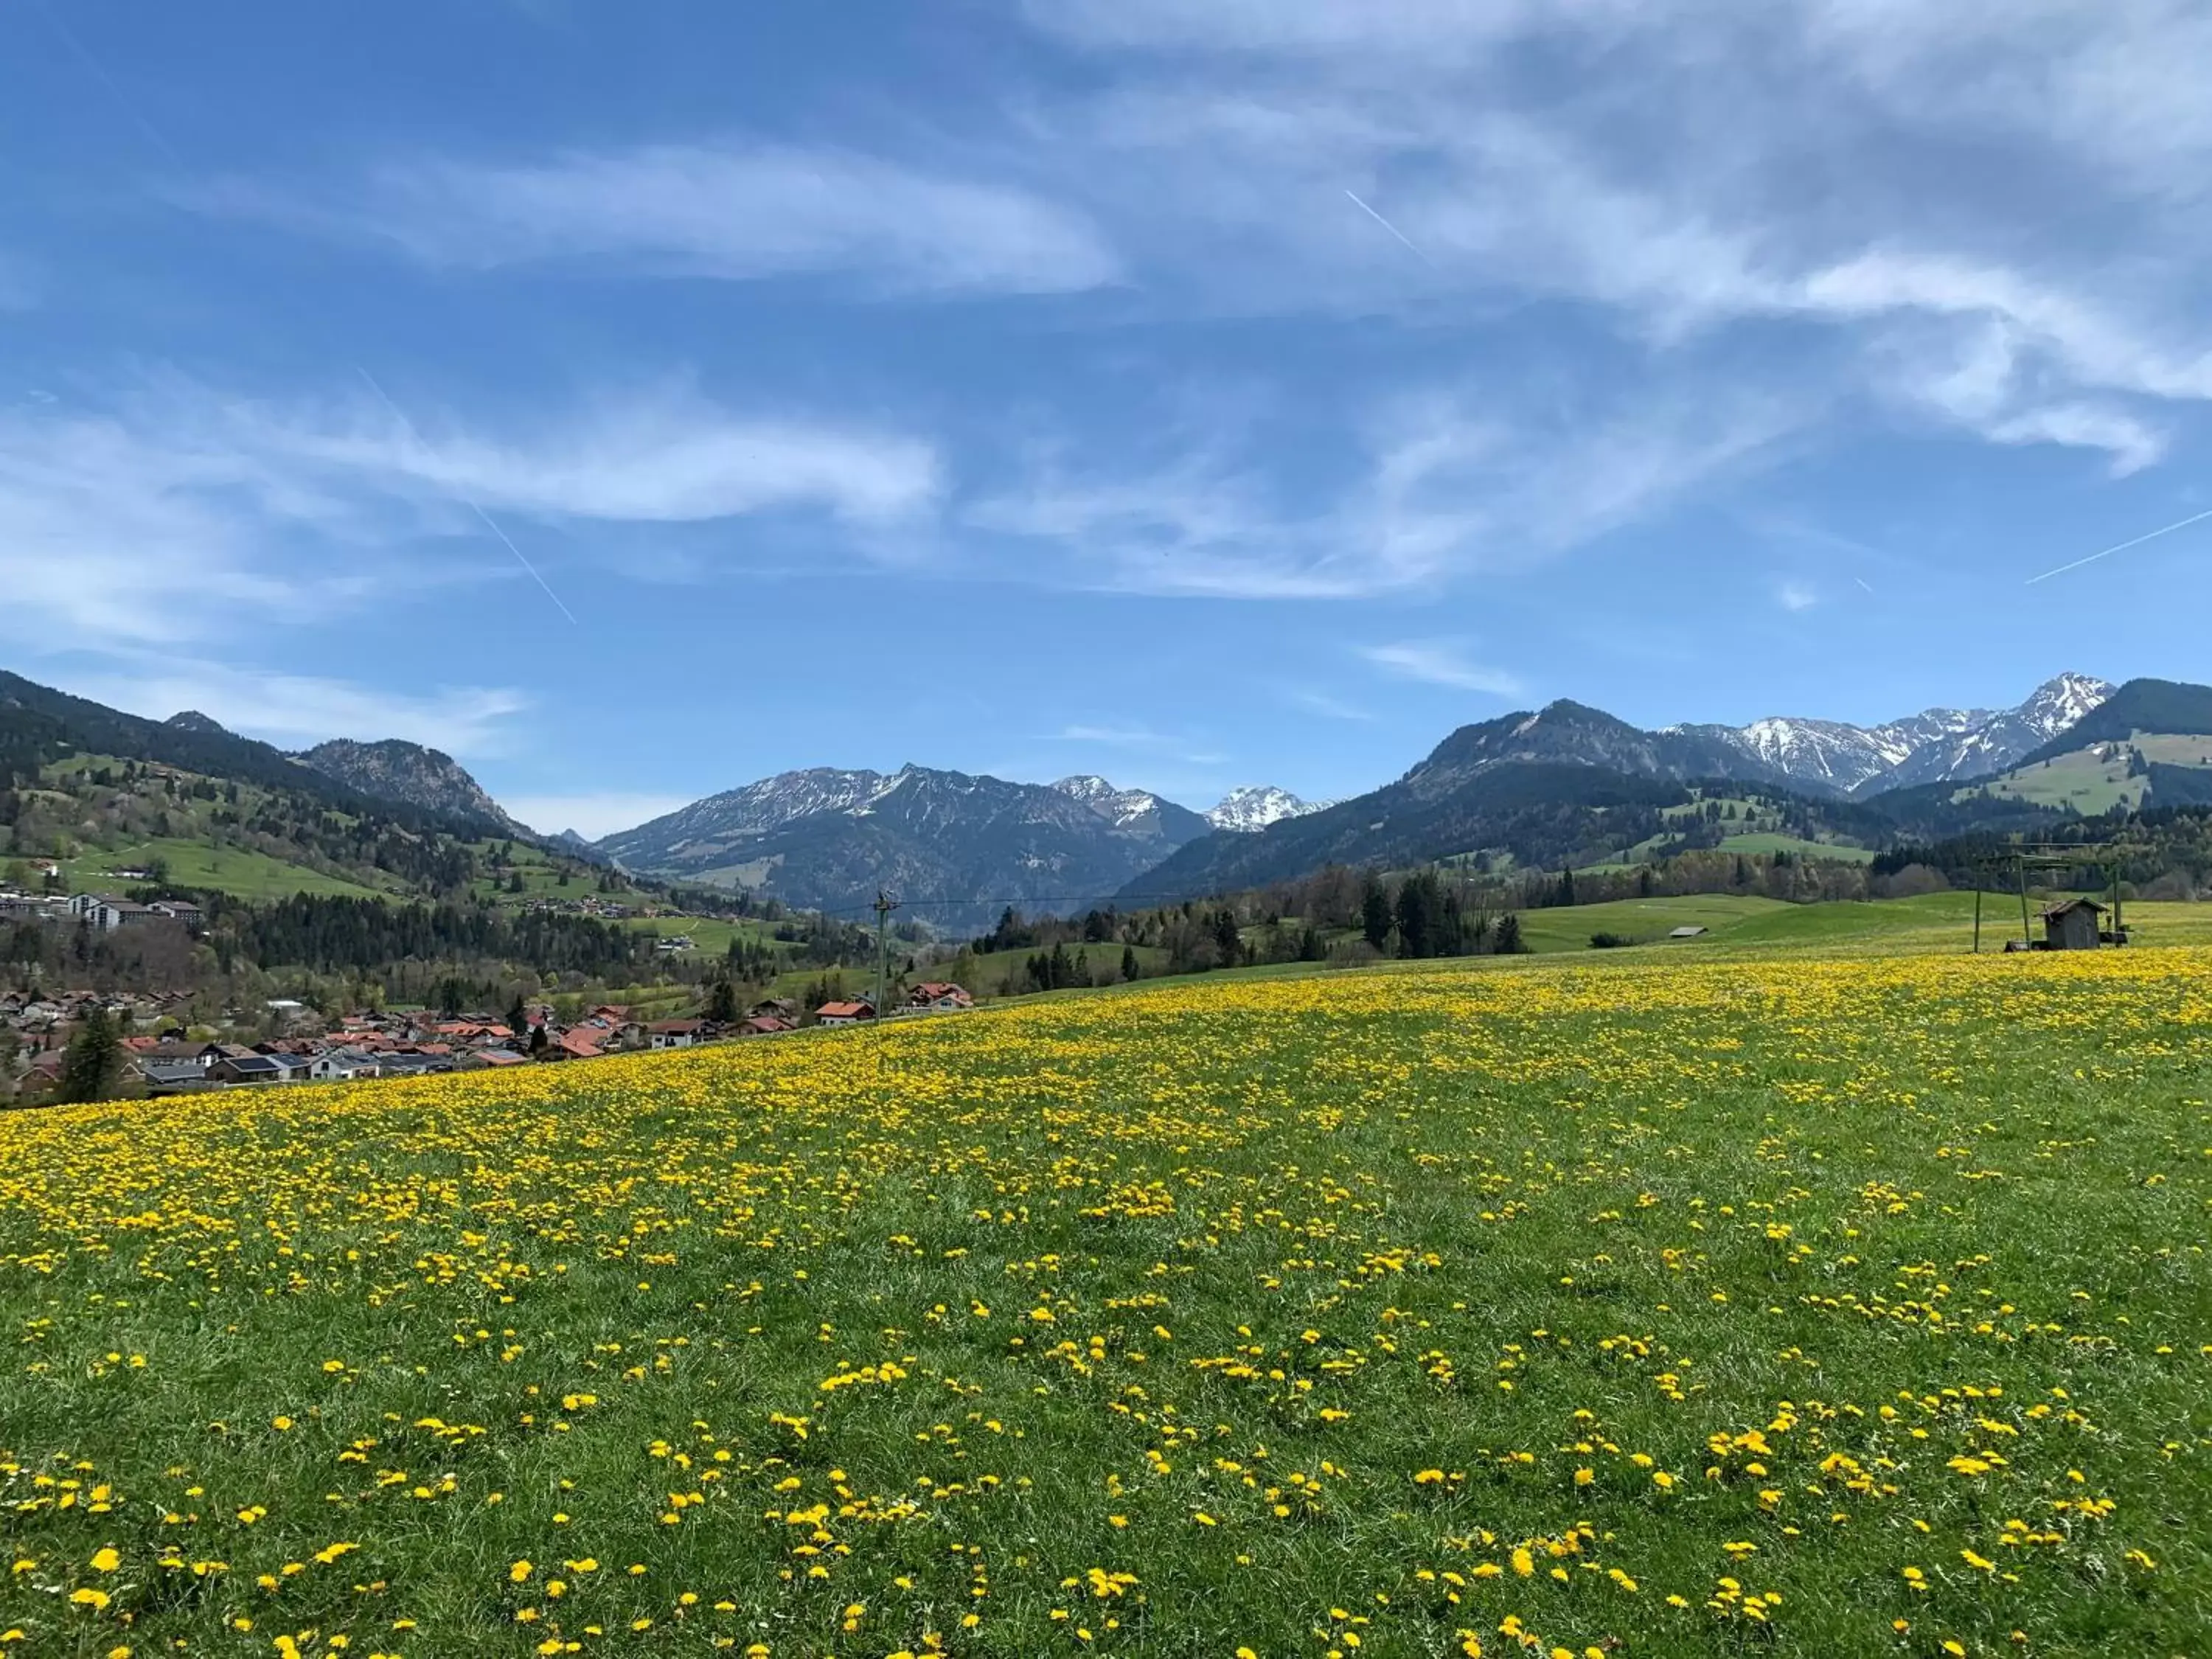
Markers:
<point>2073,925</point>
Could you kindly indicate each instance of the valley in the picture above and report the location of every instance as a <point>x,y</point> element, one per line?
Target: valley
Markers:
<point>1543,831</point>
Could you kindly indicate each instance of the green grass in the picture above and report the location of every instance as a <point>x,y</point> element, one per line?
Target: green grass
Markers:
<point>1590,1298</point>
<point>991,966</point>
<point>2079,781</point>
<point>1747,809</point>
<point>240,872</point>
<point>2175,749</point>
<point>541,876</point>
<point>710,935</point>
<point>2087,784</point>
<point>1645,920</point>
<point>1770,841</point>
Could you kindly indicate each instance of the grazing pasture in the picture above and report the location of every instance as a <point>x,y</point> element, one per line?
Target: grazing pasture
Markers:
<point>1680,1304</point>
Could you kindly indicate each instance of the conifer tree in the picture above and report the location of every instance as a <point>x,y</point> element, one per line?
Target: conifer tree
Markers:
<point>94,1065</point>
<point>1374,910</point>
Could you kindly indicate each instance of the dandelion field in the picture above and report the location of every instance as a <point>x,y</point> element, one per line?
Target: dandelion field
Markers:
<point>1784,1306</point>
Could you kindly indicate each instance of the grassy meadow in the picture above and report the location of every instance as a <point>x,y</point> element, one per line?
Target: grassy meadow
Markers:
<point>244,872</point>
<point>1732,1299</point>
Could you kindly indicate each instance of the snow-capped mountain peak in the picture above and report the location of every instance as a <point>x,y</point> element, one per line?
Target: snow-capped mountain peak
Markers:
<point>1124,806</point>
<point>1936,745</point>
<point>2058,703</point>
<point>1254,806</point>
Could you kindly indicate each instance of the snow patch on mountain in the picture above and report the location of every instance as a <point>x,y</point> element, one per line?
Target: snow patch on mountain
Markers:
<point>1124,806</point>
<point>1254,806</point>
<point>1934,746</point>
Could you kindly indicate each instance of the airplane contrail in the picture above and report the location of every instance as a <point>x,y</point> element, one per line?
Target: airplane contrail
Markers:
<point>398,415</point>
<point>153,134</point>
<point>2150,536</point>
<point>1388,226</point>
<point>1863,582</point>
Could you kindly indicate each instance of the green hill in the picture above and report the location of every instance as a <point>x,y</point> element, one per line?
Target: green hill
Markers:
<point>2162,768</point>
<point>2158,706</point>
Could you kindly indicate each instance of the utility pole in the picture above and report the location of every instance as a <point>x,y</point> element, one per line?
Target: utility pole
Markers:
<point>885,905</point>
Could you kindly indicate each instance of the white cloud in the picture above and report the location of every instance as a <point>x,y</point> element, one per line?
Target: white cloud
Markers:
<point>661,457</point>
<point>1426,30</point>
<point>1321,703</point>
<point>173,511</point>
<point>1116,737</point>
<point>2132,444</point>
<point>1865,183</point>
<point>1442,485</point>
<point>1440,662</point>
<point>114,530</point>
<point>592,817</point>
<point>1795,595</point>
<point>297,710</point>
<point>731,209</point>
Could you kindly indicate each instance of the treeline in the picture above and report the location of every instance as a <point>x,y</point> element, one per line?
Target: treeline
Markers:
<point>340,935</point>
<point>405,947</point>
<point>2162,853</point>
<point>1792,878</point>
<point>1425,913</point>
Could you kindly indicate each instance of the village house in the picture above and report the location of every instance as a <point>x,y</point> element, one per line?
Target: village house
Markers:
<point>248,1067</point>
<point>482,1059</point>
<point>341,1066</point>
<point>939,997</point>
<point>169,1076</point>
<point>844,1013</point>
<point>766,1025</point>
<point>672,1033</point>
<point>414,1065</point>
<point>575,1043</point>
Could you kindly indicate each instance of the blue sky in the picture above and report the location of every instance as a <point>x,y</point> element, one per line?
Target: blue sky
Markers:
<point>1193,394</point>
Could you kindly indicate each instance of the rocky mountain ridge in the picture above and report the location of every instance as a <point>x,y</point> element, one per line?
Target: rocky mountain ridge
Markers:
<point>1936,745</point>
<point>395,769</point>
<point>955,847</point>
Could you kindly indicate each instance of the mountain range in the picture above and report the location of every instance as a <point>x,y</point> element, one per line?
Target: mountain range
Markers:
<point>827,837</point>
<point>1569,784</point>
<point>1562,783</point>
<point>955,849</point>
<point>1934,746</point>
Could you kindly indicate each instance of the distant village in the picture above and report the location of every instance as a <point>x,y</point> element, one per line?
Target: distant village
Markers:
<point>301,1045</point>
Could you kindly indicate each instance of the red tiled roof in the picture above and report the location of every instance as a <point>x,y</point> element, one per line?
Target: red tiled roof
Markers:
<point>843,1011</point>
